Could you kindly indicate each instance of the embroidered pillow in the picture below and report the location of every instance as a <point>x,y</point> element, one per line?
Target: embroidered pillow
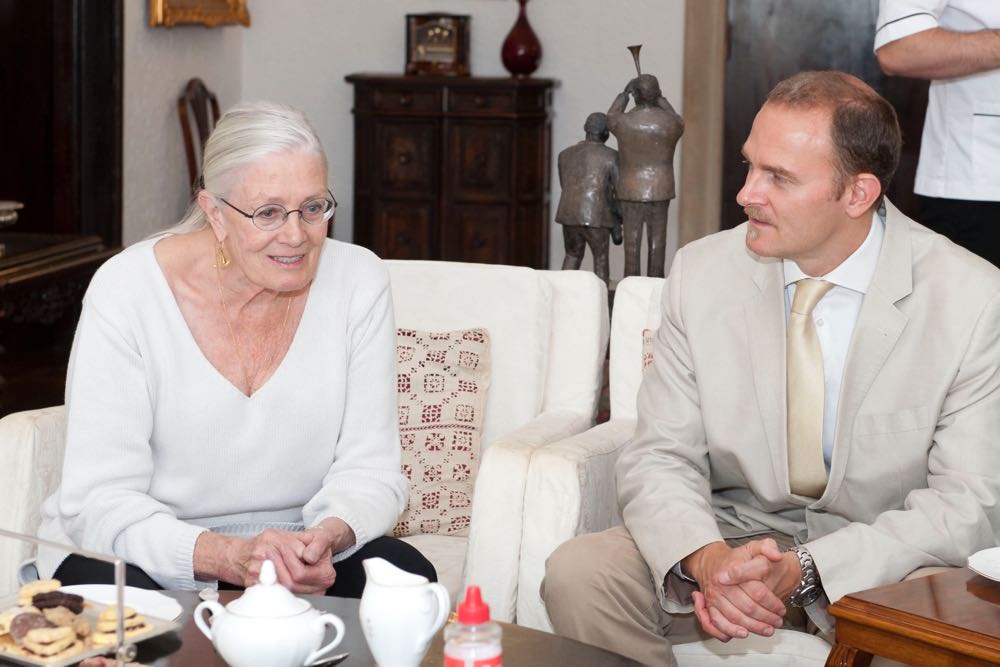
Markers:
<point>647,348</point>
<point>441,380</point>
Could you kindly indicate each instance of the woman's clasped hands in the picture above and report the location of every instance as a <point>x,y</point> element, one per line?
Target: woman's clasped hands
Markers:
<point>303,561</point>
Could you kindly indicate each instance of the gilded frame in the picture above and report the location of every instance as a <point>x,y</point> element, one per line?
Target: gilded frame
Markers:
<point>209,13</point>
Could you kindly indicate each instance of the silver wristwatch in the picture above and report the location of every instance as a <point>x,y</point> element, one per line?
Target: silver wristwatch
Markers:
<point>810,587</point>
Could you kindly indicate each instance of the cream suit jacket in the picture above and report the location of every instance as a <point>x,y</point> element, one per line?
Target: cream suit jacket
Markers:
<point>915,473</point>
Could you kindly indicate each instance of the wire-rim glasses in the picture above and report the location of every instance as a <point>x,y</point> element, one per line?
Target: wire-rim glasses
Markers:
<point>269,217</point>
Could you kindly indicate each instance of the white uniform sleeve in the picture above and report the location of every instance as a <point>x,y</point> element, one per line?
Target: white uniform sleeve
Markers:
<point>902,18</point>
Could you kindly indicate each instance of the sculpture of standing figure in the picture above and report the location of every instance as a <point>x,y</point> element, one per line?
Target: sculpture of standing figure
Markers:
<point>647,135</point>
<point>587,207</point>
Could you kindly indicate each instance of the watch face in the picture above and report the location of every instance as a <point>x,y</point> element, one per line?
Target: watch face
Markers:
<point>805,597</point>
<point>434,41</point>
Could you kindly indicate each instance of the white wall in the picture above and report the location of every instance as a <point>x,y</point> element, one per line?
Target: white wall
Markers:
<point>299,52</point>
<point>157,64</point>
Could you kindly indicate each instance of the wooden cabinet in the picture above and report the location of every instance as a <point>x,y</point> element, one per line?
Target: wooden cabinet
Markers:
<point>452,168</point>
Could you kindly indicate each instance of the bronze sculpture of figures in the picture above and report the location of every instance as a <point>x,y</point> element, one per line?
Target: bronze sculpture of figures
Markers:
<point>587,209</point>
<point>647,135</point>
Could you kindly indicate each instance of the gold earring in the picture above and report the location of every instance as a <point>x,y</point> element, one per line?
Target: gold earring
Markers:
<point>221,259</point>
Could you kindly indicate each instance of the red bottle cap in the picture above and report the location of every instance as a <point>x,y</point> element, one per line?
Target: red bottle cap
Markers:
<point>472,610</point>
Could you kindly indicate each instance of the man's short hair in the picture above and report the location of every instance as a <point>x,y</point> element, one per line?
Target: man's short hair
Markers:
<point>864,128</point>
<point>597,125</point>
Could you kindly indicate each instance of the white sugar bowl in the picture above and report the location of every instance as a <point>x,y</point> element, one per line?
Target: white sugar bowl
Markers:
<point>267,626</point>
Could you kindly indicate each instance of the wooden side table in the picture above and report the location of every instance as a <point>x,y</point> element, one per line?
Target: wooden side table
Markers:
<point>951,618</point>
<point>452,168</point>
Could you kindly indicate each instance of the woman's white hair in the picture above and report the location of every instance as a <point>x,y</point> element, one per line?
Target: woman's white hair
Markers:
<point>246,133</point>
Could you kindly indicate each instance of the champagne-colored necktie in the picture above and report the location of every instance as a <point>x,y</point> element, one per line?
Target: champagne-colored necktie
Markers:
<point>804,391</point>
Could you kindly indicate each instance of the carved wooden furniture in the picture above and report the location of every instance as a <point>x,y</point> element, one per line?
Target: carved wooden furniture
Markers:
<point>452,168</point>
<point>42,281</point>
<point>951,618</point>
<point>204,114</point>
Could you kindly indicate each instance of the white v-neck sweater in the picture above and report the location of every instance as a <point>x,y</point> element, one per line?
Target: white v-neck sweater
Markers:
<point>160,446</point>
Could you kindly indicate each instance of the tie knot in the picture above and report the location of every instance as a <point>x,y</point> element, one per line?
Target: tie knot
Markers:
<point>808,292</point>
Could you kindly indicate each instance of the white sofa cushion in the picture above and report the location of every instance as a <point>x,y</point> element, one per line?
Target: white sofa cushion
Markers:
<point>637,307</point>
<point>447,552</point>
<point>32,453</point>
<point>465,296</point>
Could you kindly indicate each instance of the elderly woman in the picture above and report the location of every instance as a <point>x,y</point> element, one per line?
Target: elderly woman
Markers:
<point>231,395</point>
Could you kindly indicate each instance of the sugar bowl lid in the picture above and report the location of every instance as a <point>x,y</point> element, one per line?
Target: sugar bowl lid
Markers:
<point>267,598</point>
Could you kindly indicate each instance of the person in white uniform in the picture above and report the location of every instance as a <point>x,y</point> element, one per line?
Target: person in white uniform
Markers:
<point>955,44</point>
<point>231,395</point>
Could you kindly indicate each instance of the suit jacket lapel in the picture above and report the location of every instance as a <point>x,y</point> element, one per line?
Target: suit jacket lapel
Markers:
<point>765,318</point>
<point>880,323</point>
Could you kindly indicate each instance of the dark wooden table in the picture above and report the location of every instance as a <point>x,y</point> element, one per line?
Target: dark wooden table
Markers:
<point>521,646</point>
<point>951,618</point>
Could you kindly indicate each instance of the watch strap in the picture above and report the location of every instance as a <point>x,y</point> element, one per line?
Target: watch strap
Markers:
<point>809,588</point>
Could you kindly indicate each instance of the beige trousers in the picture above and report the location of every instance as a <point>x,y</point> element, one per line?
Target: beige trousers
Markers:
<point>598,590</point>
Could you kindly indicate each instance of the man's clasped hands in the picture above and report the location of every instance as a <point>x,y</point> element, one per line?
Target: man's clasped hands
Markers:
<point>742,589</point>
<point>303,560</point>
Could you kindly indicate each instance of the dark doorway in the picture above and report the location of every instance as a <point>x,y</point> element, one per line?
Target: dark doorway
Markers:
<point>61,120</point>
<point>61,138</point>
<point>773,39</point>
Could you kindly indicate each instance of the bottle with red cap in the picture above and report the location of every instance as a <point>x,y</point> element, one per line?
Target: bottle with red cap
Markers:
<point>473,641</point>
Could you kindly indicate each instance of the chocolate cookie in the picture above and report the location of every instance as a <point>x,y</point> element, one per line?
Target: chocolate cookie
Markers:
<point>32,588</point>
<point>25,623</point>
<point>58,599</point>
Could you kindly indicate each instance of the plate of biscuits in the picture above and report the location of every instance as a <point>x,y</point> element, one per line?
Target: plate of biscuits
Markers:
<point>44,625</point>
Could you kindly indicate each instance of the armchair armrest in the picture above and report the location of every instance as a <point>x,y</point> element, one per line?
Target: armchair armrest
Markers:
<point>31,448</point>
<point>494,550</point>
<point>570,490</point>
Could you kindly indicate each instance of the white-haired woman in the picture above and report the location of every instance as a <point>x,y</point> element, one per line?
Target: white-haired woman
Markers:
<point>231,395</point>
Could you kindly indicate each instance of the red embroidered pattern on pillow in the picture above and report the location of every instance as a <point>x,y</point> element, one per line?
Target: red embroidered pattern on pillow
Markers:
<point>442,379</point>
<point>647,347</point>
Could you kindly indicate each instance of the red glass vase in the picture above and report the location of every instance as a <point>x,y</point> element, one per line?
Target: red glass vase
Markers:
<point>521,49</point>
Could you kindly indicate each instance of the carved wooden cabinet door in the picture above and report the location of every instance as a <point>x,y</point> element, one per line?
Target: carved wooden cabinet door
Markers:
<point>453,168</point>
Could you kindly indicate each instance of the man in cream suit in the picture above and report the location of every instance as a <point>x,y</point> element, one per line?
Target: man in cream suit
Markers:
<point>823,410</point>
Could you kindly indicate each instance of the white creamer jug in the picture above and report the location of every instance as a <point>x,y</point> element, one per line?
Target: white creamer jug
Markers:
<point>400,612</point>
<point>268,626</point>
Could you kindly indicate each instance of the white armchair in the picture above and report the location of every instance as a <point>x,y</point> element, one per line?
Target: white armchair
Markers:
<point>31,448</point>
<point>570,488</point>
<point>570,491</point>
<point>549,333</point>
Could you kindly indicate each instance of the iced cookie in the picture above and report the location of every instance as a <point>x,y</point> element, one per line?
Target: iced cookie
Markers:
<point>33,588</point>
<point>52,599</point>
<point>25,623</point>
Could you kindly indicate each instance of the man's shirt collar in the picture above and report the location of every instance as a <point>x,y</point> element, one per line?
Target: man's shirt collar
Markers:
<point>854,273</point>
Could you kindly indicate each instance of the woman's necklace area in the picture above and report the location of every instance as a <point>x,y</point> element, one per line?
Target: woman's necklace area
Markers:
<point>248,379</point>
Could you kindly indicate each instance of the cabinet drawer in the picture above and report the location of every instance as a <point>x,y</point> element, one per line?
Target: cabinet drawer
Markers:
<point>479,160</point>
<point>486,101</point>
<point>403,230</point>
<point>406,99</point>
<point>405,156</point>
<point>476,233</point>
